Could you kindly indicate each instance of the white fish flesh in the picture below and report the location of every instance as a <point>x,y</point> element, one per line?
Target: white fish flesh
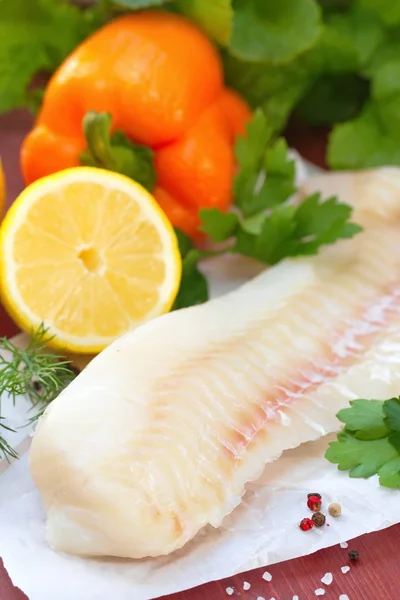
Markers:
<point>159,435</point>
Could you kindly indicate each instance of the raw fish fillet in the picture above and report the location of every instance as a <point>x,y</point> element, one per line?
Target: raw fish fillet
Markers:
<point>159,435</point>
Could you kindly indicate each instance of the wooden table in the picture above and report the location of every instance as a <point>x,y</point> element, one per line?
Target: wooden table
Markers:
<point>375,576</point>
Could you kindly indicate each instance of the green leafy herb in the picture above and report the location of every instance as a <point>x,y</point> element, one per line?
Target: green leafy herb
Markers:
<point>275,88</point>
<point>331,62</point>
<point>333,98</point>
<point>36,35</point>
<point>364,142</point>
<point>389,473</point>
<point>264,223</point>
<point>391,411</point>
<point>116,152</point>
<point>273,32</point>
<point>215,17</point>
<point>365,419</point>
<point>6,451</point>
<point>350,39</point>
<point>369,444</point>
<point>385,10</point>
<point>347,78</point>
<point>256,30</point>
<point>363,458</point>
<point>34,372</point>
<point>219,226</point>
<point>193,288</point>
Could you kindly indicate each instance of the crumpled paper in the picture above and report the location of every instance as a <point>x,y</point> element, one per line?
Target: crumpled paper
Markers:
<point>261,531</point>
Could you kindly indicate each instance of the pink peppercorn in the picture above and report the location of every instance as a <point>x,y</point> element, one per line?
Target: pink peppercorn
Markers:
<point>314,503</point>
<point>306,524</point>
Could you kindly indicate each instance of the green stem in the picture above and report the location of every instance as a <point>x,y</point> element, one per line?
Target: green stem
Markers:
<point>116,152</point>
<point>96,127</point>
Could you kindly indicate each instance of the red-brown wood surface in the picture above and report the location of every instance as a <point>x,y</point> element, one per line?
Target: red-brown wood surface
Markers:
<point>374,577</point>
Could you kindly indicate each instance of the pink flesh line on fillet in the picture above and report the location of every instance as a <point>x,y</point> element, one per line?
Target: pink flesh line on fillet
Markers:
<point>347,345</point>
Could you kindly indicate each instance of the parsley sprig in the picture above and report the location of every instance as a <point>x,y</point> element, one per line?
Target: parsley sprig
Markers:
<point>369,444</point>
<point>33,372</point>
<point>263,222</point>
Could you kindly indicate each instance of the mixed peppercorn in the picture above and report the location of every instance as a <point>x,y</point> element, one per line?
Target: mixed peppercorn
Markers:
<point>318,519</point>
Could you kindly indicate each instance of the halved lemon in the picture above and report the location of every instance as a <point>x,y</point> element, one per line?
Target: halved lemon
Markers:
<point>90,254</point>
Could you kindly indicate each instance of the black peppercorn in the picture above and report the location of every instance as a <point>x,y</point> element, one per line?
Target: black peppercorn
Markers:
<point>318,519</point>
<point>354,555</point>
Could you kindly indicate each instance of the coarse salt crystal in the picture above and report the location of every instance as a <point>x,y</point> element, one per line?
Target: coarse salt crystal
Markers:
<point>327,578</point>
<point>246,585</point>
<point>344,545</point>
<point>345,569</point>
<point>319,592</point>
<point>344,597</point>
<point>229,591</point>
<point>267,576</point>
<point>260,598</point>
<point>295,598</point>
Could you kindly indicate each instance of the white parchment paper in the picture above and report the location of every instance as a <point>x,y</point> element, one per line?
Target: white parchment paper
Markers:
<point>261,531</point>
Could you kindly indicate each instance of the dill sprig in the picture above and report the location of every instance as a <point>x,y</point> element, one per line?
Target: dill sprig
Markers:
<point>5,449</point>
<point>33,372</point>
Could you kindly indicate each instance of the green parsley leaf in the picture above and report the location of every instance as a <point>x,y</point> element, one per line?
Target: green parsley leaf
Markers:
<point>193,288</point>
<point>36,36</point>
<point>265,226</point>
<point>185,244</point>
<point>391,410</point>
<point>278,164</point>
<point>273,32</point>
<point>363,143</point>
<point>347,77</point>
<point>349,40</point>
<point>249,149</point>
<point>386,81</point>
<point>389,473</point>
<point>274,88</point>
<point>214,17</point>
<point>279,173</point>
<point>372,138</point>
<point>370,442</point>
<point>387,52</point>
<point>386,96</point>
<point>266,174</point>
<point>362,458</point>
<point>275,240</point>
<point>388,11</point>
<point>322,222</point>
<point>219,226</point>
<point>335,51</point>
<point>250,155</point>
<point>294,231</point>
<point>366,418</point>
<point>333,98</point>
